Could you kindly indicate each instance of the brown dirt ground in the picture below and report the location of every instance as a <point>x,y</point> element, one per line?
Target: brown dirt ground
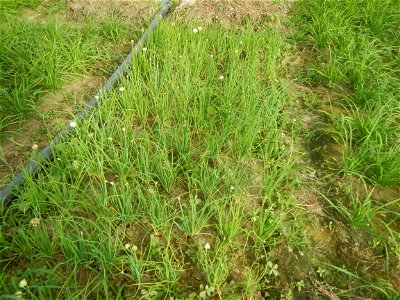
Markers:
<point>136,11</point>
<point>133,10</point>
<point>232,12</point>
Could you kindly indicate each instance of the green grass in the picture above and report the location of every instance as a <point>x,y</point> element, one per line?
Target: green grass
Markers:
<point>185,158</point>
<point>371,143</point>
<point>187,182</point>
<point>9,8</point>
<point>358,53</point>
<point>40,56</point>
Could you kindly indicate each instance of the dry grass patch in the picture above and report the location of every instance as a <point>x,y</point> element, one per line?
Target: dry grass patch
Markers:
<point>231,11</point>
<point>132,10</point>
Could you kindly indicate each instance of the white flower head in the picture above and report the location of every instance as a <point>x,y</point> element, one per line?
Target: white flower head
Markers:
<point>121,89</point>
<point>211,55</point>
<point>144,49</point>
<point>207,246</point>
<point>123,129</point>
<point>110,138</point>
<point>236,51</point>
<point>127,246</point>
<point>75,164</point>
<point>35,147</point>
<point>97,97</point>
<point>221,77</point>
<point>35,222</point>
<point>23,283</point>
<point>72,124</point>
<point>313,174</point>
<point>200,28</point>
<point>195,30</point>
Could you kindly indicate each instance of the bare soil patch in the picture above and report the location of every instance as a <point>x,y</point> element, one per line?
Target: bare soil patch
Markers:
<point>32,14</point>
<point>231,12</point>
<point>134,10</point>
<point>76,91</point>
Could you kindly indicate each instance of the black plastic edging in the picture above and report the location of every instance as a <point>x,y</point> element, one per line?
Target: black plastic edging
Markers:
<point>7,194</point>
